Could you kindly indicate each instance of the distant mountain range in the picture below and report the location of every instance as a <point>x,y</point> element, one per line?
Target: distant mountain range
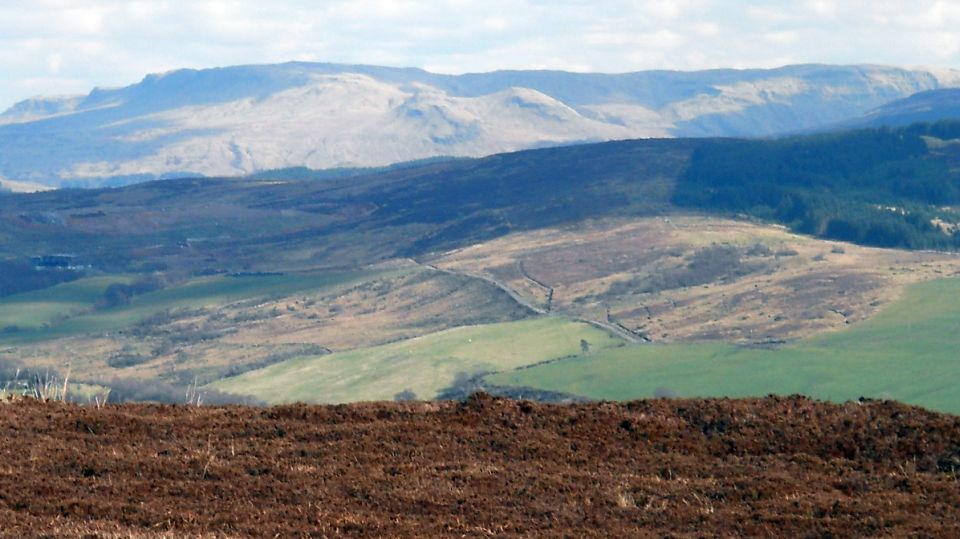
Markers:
<point>241,120</point>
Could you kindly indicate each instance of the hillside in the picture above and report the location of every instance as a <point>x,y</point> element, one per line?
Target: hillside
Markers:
<point>342,288</point>
<point>889,188</point>
<point>245,119</point>
<point>694,306</point>
<point>689,279</point>
<point>776,466</point>
<point>883,187</point>
<point>283,225</point>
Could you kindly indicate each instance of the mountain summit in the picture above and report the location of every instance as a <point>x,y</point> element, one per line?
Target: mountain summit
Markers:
<point>239,120</point>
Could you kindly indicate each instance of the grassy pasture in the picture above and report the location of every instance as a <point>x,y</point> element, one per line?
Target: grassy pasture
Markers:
<point>909,352</point>
<point>66,310</point>
<point>33,310</point>
<point>424,365</point>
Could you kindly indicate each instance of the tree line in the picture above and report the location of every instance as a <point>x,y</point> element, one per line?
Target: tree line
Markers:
<point>881,187</point>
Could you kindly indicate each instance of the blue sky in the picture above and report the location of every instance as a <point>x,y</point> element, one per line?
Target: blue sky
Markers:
<point>52,47</point>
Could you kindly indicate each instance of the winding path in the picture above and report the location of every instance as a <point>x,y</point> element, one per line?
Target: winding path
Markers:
<point>611,328</point>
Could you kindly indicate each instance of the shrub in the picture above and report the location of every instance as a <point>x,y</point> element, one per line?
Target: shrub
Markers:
<point>123,360</point>
<point>134,390</point>
<point>664,393</point>
<point>405,395</point>
<point>759,249</point>
<point>464,384</point>
<point>711,263</point>
<point>119,294</point>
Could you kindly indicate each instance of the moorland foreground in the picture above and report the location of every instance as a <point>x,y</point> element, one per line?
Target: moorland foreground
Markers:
<point>779,466</point>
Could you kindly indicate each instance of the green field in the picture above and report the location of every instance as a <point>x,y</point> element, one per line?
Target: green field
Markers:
<point>424,365</point>
<point>909,352</point>
<point>33,310</point>
<point>67,310</point>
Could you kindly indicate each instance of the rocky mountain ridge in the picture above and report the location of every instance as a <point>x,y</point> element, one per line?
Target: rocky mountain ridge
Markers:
<point>240,120</point>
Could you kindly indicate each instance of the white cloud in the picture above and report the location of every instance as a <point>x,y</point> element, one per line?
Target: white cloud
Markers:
<point>54,63</point>
<point>823,8</point>
<point>78,44</point>
<point>664,9</point>
<point>782,38</point>
<point>496,24</point>
<point>81,20</point>
<point>705,29</point>
<point>768,15</point>
<point>661,39</point>
<point>943,45</point>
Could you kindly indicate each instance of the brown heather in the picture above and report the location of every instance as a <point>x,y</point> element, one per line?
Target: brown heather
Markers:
<point>785,467</point>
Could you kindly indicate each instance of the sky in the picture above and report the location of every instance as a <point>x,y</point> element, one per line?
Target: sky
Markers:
<point>58,47</point>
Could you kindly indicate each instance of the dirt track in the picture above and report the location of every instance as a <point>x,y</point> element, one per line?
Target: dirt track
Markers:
<point>771,467</point>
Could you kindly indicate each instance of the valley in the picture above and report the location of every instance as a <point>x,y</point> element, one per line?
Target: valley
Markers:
<point>528,273</point>
<point>528,310</point>
<point>788,317</point>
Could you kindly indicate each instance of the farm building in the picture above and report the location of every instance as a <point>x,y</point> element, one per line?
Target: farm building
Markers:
<point>54,262</point>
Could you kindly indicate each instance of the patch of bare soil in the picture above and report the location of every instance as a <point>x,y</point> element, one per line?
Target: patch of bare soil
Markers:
<point>682,468</point>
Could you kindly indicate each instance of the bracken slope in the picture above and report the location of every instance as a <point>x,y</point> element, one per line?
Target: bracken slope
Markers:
<point>769,467</point>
